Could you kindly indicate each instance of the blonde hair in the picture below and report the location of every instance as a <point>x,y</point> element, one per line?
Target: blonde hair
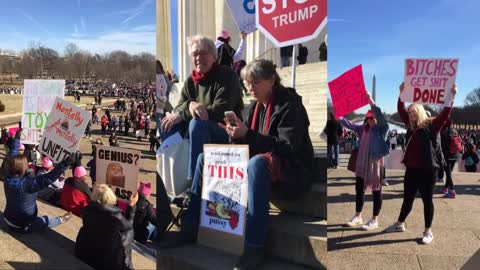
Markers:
<point>17,165</point>
<point>422,118</point>
<point>204,42</point>
<point>103,194</point>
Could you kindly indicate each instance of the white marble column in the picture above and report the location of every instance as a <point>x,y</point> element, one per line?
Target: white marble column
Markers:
<point>164,35</point>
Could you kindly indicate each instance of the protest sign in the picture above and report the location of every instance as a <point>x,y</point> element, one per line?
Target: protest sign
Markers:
<point>63,132</point>
<point>118,168</point>
<point>243,12</point>
<point>429,81</point>
<point>224,197</point>
<point>161,86</point>
<point>38,99</point>
<point>348,92</point>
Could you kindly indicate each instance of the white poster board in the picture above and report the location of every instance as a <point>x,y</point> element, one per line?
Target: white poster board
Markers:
<point>64,130</point>
<point>429,81</point>
<point>243,12</point>
<point>38,99</point>
<point>118,168</point>
<point>224,197</point>
<point>161,87</point>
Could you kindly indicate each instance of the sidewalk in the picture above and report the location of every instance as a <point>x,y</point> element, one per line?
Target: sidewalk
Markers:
<point>456,226</point>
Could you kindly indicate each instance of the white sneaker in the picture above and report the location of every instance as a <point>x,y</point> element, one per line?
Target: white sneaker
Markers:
<point>427,238</point>
<point>354,221</point>
<point>395,227</point>
<point>384,182</point>
<point>370,225</point>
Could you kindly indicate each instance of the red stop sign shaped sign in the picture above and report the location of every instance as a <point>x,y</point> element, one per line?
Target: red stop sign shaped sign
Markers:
<point>288,22</point>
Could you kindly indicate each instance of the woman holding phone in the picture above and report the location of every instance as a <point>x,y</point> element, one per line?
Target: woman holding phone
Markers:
<point>276,130</point>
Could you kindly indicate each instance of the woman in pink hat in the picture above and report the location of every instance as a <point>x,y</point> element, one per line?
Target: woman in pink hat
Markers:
<point>145,221</point>
<point>372,149</point>
<point>76,194</point>
<point>226,54</point>
<point>52,192</point>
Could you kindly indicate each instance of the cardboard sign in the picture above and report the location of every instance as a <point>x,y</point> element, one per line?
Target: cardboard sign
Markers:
<point>118,168</point>
<point>224,197</point>
<point>429,81</point>
<point>63,132</point>
<point>38,99</point>
<point>243,12</point>
<point>348,92</point>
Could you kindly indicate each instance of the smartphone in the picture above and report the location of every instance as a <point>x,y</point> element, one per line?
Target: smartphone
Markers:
<point>230,115</point>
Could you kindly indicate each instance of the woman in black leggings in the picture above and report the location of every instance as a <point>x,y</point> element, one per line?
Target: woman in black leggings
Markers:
<point>423,157</point>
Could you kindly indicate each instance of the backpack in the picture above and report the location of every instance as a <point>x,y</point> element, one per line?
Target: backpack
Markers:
<point>455,143</point>
<point>469,161</point>
<point>225,55</point>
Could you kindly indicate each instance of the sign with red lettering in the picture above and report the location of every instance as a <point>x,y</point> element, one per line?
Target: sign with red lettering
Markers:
<point>118,168</point>
<point>63,132</point>
<point>224,197</point>
<point>290,22</point>
<point>348,92</point>
<point>429,81</point>
<point>38,98</point>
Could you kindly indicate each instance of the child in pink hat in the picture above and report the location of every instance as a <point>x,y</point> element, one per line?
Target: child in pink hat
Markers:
<point>145,217</point>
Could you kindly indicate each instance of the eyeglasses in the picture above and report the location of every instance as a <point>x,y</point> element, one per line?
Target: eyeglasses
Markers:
<point>199,53</point>
<point>251,84</point>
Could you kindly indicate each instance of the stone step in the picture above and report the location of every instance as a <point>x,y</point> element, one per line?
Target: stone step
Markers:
<point>197,257</point>
<point>292,238</point>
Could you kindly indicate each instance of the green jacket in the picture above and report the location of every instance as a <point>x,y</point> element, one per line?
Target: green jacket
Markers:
<point>219,92</point>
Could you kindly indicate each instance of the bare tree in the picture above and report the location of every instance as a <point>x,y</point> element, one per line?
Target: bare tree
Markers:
<point>473,98</point>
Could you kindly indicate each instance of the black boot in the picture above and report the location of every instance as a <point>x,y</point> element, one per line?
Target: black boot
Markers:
<point>251,258</point>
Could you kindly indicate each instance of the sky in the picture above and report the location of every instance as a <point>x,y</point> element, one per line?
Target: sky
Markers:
<point>98,26</point>
<point>380,34</point>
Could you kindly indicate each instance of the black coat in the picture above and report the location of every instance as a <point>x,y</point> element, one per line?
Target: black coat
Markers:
<point>287,138</point>
<point>143,215</point>
<point>105,239</point>
<point>432,154</point>
<point>334,130</point>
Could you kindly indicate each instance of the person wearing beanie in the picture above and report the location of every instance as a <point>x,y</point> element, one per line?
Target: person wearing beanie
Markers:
<point>76,193</point>
<point>145,220</point>
<point>226,54</point>
<point>52,192</point>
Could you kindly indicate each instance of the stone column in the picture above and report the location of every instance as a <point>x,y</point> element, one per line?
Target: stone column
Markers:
<point>164,35</point>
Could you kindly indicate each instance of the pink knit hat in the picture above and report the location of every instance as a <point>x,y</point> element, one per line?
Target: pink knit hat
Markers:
<point>47,163</point>
<point>22,146</point>
<point>224,34</point>
<point>79,172</point>
<point>145,189</point>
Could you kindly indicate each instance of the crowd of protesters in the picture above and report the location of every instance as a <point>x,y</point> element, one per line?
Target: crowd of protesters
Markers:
<point>11,90</point>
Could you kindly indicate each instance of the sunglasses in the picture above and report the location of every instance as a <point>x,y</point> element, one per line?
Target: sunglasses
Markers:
<point>370,118</point>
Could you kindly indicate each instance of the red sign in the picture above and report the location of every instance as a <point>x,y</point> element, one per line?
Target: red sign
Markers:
<point>348,92</point>
<point>288,22</point>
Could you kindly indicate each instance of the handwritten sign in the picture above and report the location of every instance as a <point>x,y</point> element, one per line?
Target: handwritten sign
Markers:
<point>38,99</point>
<point>348,92</point>
<point>429,81</point>
<point>118,168</point>
<point>161,86</point>
<point>63,132</point>
<point>243,12</point>
<point>224,197</point>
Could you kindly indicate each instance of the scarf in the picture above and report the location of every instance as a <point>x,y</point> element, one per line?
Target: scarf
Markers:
<point>256,114</point>
<point>198,77</point>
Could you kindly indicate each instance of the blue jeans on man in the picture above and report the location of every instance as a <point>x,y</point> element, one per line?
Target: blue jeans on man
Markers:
<point>336,151</point>
<point>259,185</point>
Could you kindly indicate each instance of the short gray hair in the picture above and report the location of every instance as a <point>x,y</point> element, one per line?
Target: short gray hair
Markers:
<point>204,42</point>
<point>260,69</point>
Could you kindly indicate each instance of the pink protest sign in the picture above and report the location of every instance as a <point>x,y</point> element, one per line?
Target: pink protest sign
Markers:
<point>348,92</point>
<point>429,81</point>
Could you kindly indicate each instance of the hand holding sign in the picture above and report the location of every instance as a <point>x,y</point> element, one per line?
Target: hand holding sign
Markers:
<point>348,92</point>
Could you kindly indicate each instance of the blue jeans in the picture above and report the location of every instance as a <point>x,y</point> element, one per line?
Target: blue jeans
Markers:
<point>336,150</point>
<point>152,232</point>
<point>285,61</point>
<point>40,223</point>
<point>203,132</point>
<point>259,185</point>
<point>180,128</point>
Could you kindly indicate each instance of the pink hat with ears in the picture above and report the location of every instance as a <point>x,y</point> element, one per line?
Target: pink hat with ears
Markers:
<point>145,189</point>
<point>224,34</point>
<point>79,172</point>
<point>22,146</point>
<point>47,163</point>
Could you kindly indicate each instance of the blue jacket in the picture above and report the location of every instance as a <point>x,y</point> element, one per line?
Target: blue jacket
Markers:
<point>21,192</point>
<point>378,146</point>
